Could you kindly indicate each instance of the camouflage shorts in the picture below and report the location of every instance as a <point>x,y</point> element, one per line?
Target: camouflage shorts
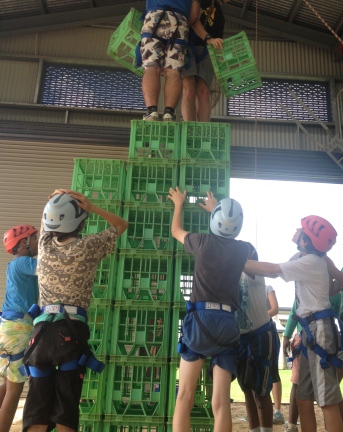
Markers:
<point>156,53</point>
<point>14,338</point>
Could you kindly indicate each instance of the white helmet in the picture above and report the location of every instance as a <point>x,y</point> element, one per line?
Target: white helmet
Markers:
<point>227,218</point>
<point>62,214</point>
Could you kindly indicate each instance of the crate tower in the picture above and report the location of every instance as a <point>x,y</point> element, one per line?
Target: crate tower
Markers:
<point>138,300</point>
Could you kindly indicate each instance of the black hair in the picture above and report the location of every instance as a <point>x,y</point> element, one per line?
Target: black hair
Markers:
<point>309,248</point>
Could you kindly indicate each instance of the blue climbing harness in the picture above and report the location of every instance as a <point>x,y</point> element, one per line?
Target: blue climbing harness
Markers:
<point>326,358</point>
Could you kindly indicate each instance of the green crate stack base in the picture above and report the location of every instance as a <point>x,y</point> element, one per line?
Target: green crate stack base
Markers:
<point>198,178</point>
<point>183,279</point>
<point>105,280</point>
<point>140,328</point>
<point>134,424</point>
<point>149,227</point>
<point>100,179</point>
<point>144,276</point>
<point>123,42</point>
<point>100,318</point>
<point>205,141</point>
<point>137,389</point>
<point>202,408</point>
<point>154,140</point>
<point>149,181</point>
<point>197,425</point>
<point>234,66</point>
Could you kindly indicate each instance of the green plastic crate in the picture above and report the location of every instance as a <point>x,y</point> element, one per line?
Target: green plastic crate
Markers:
<point>198,178</point>
<point>202,408</point>
<point>149,227</point>
<point>184,267</point>
<point>234,66</point>
<point>205,141</point>
<point>155,139</point>
<point>100,179</point>
<point>195,220</point>
<point>144,277</point>
<point>92,401</point>
<point>105,278</point>
<point>140,329</point>
<point>149,182</point>
<point>137,389</point>
<point>134,424</point>
<point>100,317</point>
<point>95,425</point>
<point>95,223</point>
<point>123,42</point>
<point>178,315</point>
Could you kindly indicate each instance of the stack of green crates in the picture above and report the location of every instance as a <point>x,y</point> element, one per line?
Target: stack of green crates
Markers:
<point>124,41</point>
<point>102,181</point>
<point>234,66</point>
<point>139,293</point>
<point>137,386</point>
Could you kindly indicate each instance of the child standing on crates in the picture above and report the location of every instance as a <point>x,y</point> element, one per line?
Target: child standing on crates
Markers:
<point>320,345</point>
<point>59,352</point>
<point>15,324</point>
<point>210,328</point>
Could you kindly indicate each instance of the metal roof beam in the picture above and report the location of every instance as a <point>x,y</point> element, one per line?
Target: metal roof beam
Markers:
<point>280,28</point>
<point>246,5</point>
<point>294,10</point>
<point>42,6</point>
<point>72,18</point>
<point>339,25</point>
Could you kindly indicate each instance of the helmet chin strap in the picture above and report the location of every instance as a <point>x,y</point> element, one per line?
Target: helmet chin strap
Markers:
<point>27,246</point>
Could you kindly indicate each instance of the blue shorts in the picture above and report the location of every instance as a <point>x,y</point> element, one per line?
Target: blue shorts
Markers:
<point>224,331</point>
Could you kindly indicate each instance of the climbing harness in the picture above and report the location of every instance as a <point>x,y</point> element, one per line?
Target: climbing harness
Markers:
<point>87,358</point>
<point>326,358</point>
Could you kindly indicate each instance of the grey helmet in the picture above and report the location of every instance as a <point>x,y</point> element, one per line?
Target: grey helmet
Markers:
<point>62,214</point>
<point>227,218</point>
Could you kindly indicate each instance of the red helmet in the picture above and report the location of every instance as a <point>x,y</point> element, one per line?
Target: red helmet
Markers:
<point>321,232</point>
<point>15,234</point>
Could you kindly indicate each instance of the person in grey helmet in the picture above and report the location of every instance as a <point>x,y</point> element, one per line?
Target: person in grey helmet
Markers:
<point>58,354</point>
<point>210,328</point>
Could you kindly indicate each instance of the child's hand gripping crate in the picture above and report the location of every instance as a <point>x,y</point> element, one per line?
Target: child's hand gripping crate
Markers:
<point>235,66</point>
<point>123,43</point>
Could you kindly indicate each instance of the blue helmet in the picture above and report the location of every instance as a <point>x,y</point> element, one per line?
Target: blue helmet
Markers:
<point>62,214</point>
<point>227,218</point>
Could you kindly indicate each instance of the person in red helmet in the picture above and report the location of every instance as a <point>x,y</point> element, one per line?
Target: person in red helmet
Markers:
<point>321,351</point>
<point>15,323</point>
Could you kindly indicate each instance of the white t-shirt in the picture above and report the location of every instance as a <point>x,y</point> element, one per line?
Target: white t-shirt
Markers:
<point>312,286</point>
<point>252,311</point>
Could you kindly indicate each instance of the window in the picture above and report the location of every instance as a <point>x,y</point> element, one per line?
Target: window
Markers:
<point>90,87</point>
<point>265,102</point>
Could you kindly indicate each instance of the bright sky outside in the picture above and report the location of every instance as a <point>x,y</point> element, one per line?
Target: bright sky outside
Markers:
<point>272,212</point>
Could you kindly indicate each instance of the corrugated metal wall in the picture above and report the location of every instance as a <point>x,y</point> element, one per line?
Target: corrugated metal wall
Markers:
<point>29,173</point>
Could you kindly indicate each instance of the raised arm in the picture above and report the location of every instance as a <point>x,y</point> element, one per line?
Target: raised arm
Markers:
<point>178,199</point>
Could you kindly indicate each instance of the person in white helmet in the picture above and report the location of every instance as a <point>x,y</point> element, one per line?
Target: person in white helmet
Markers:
<point>21,242</point>
<point>58,354</point>
<point>210,328</point>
